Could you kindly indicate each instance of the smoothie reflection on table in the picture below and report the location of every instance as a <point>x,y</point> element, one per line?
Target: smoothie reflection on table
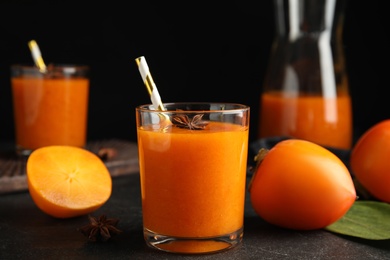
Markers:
<point>49,108</point>
<point>193,180</point>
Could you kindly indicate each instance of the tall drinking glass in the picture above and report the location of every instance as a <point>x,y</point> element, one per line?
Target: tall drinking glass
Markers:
<point>193,161</point>
<point>49,108</point>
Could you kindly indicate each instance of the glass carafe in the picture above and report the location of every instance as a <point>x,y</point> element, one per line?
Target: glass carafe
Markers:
<point>305,93</point>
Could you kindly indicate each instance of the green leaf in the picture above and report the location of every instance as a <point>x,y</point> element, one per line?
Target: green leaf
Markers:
<point>365,219</point>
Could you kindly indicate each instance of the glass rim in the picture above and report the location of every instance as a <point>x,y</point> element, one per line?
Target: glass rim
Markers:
<point>233,107</point>
<point>51,66</point>
<point>53,71</point>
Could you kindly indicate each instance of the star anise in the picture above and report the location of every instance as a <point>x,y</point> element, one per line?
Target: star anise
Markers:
<point>195,123</point>
<point>106,153</point>
<point>100,229</point>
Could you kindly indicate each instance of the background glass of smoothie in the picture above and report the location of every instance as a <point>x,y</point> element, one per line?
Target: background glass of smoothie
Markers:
<point>49,108</point>
<point>193,161</point>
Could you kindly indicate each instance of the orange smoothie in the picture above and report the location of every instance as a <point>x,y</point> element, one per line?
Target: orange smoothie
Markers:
<point>193,181</point>
<point>327,122</point>
<point>50,111</point>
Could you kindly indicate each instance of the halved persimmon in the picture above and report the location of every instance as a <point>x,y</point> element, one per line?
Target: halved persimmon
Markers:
<point>67,181</point>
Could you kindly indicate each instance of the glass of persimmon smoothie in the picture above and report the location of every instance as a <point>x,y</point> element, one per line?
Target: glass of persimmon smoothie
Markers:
<point>50,108</point>
<point>193,161</point>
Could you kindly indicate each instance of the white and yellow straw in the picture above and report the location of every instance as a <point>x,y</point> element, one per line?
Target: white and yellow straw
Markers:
<point>149,83</point>
<point>36,54</point>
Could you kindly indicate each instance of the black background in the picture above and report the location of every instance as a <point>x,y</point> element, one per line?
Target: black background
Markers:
<point>196,51</point>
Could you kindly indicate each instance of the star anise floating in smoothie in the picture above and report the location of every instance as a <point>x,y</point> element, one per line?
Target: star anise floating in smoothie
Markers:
<point>100,229</point>
<point>194,123</point>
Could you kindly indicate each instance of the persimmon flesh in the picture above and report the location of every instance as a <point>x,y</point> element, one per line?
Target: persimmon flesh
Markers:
<point>66,181</point>
<point>300,185</point>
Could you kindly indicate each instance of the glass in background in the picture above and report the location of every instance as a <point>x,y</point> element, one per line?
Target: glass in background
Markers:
<point>50,108</point>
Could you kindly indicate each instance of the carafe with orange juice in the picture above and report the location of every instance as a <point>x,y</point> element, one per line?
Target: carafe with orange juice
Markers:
<point>193,160</point>
<point>305,93</point>
<point>50,108</point>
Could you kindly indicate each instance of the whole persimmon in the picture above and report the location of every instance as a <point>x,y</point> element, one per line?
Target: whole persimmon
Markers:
<point>370,160</point>
<point>300,185</point>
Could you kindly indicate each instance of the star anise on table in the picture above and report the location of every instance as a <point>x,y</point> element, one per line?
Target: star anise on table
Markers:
<point>106,153</point>
<point>100,229</point>
<point>194,123</point>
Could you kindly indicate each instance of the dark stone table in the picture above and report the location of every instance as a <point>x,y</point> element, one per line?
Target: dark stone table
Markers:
<point>27,233</point>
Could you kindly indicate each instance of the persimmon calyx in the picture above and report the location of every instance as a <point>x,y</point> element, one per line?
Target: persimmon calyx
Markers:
<point>259,157</point>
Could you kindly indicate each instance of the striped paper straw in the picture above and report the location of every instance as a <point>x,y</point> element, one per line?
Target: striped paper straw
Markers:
<point>36,54</point>
<point>149,83</point>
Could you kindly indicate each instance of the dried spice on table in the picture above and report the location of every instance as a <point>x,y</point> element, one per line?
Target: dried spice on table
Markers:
<point>100,229</point>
